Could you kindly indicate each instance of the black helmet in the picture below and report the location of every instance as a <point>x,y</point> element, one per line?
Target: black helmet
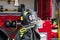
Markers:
<point>29,17</point>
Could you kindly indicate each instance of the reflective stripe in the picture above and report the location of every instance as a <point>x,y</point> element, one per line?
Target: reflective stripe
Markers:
<point>25,13</point>
<point>22,31</point>
<point>21,18</point>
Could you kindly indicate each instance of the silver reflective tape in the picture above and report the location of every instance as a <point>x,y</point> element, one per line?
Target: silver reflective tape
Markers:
<point>43,35</point>
<point>54,30</point>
